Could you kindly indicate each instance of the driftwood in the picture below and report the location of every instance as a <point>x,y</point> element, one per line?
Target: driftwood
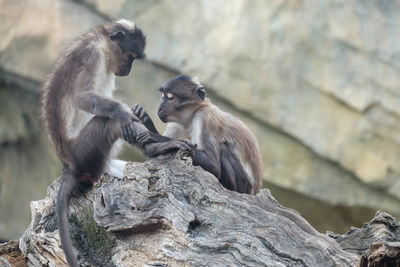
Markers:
<point>11,255</point>
<point>166,212</point>
<point>377,241</point>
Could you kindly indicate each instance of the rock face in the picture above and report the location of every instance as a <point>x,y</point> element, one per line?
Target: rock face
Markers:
<point>317,81</point>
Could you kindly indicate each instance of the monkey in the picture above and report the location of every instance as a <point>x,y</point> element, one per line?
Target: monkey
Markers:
<point>83,121</point>
<point>226,147</point>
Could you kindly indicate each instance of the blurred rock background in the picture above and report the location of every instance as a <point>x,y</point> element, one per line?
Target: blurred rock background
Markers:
<point>317,81</point>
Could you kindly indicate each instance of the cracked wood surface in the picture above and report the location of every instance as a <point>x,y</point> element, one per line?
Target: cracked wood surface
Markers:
<point>166,212</point>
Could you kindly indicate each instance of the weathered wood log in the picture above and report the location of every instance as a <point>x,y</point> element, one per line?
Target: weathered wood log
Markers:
<point>377,241</point>
<point>11,255</point>
<point>382,254</point>
<point>382,228</point>
<point>166,212</point>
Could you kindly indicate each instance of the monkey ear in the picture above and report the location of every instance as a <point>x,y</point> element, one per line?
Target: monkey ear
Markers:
<point>118,35</point>
<point>201,93</point>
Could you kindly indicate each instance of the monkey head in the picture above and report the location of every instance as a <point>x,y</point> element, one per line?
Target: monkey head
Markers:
<point>180,98</point>
<point>127,43</point>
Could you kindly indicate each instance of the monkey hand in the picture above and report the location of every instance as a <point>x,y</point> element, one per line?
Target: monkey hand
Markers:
<point>141,113</point>
<point>126,120</point>
<point>144,118</point>
<point>181,144</point>
<point>147,137</point>
<point>129,132</point>
<point>126,117</point>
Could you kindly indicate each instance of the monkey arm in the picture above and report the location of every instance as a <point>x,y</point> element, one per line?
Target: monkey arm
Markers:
<point>156,149</point>
<point>208,160</point>
<point>146,137</point>
<point>207,157</point>
<point>104,107</point>
<point>153,144</point>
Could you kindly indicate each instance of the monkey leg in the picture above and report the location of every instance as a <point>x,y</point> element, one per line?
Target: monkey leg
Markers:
<point>91,148</point>
<point>89,155</point>
<point>233,176</point>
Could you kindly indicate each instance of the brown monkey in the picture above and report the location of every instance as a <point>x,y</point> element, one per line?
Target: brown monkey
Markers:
<point>82,119</point>
<point>226,147</point>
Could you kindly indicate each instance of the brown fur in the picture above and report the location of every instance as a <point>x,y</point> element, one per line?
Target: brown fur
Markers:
<point>226,146</point>
<point>222,126</point>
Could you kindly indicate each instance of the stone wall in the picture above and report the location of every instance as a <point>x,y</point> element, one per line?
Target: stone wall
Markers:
<point>315,80</point>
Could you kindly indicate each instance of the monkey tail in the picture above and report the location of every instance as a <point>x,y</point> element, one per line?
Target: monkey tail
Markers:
<point>68,185</point>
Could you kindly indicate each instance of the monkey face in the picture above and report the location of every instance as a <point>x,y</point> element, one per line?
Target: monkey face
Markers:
<point>125,65</point>
<point>168,106</point>
<point>128,44</point>
<point>180,98</point>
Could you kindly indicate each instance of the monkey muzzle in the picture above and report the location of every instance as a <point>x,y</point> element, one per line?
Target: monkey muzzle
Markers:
<point>161,114</point>
<point>125,69</point>
<point>163,118</point>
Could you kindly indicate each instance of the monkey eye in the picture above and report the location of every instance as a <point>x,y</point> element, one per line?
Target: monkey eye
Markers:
<point>169,96</point>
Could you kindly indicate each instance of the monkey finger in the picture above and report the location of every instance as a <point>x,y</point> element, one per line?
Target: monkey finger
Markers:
<point>141,135</point>
<point>142,113</point>
<point>134,118</point>
<point>183,145</point>
<point>130,131</point>
<point>187,143</point>
<point>135,107</point>
<point>140,138</point>
<point>129,134</point>
<point>126,135</point>
<point>190,144</point>
<point>146,140</point>
<point>188,147</point>
<point>143,138</point>
<point>137,110</point>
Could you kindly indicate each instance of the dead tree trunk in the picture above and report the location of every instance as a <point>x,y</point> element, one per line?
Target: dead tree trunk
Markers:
<point>166,212</point>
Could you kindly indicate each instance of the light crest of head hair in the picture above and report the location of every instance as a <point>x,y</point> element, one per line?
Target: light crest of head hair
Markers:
<point>127,23</point>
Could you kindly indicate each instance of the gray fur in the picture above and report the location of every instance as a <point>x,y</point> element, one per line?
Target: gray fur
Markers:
<point>80,115</point>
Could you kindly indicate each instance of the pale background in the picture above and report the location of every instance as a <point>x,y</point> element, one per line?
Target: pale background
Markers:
<point>317,81</point>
